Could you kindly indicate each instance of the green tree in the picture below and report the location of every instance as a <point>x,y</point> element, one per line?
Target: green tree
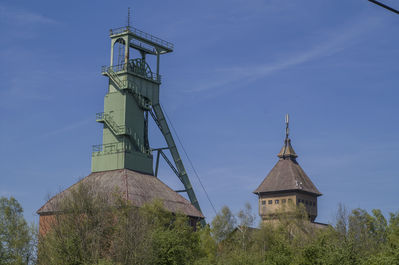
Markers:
<point>367,232</point>
<point>246,220</point>
<point>223,224</point>
<point>92,227</point>
<point>173,240</point>
<point>208,247</point>
<point>389,253</point>
<point>393,230</point>
<point>17,238</point>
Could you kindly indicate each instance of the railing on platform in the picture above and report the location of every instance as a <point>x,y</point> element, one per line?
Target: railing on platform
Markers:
<point>118,130</point>
<point>132,68</point>
<point>100,116</point>
<point>143,35</point>
<point>102,149</point>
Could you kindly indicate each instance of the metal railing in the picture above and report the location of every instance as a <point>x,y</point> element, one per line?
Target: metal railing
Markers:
<point>118,129</point>
<point>110,148</point>
<point>143,35</point>
<point>100,116</point>
<point>143,45</point>
<point>118,30</point>
<point>115,68</point>
<point>130,67</point>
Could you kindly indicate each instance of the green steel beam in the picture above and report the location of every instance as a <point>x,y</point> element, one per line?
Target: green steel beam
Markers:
<point>133,92</point>
<point>181,171</point>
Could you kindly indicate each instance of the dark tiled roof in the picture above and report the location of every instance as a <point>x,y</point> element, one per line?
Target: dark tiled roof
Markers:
<point>287,175</point>
<point>139,188</point>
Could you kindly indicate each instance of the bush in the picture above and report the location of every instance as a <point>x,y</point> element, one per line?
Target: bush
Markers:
<point>92,227</point>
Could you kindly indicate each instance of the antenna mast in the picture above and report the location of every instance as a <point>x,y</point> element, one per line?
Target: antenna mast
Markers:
<point>287,121</point>
<point>128,17</point>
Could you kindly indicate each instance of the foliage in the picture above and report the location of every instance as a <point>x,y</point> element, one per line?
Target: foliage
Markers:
<point>357,238</point>
<point>92,227</point>
<point>16,236</point>
<point>223,224</point>
<point>103,229</point>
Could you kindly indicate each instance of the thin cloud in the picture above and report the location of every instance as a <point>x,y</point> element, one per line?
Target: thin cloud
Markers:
<point>20,16</point>
<point>5,193</point>
<point>337,41</point>
<point>68,128</point>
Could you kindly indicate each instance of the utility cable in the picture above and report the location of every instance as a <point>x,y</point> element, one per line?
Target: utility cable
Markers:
<point>189,160</point>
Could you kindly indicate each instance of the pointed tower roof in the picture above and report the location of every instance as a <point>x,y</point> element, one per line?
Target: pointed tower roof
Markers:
<point>287,174</point>
<point>287,151</point>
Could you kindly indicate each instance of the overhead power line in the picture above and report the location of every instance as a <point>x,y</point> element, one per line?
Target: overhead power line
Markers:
<point>384,6</point>
<point>189,160</point>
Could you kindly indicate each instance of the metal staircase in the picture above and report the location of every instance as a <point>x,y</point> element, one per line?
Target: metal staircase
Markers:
<point>159,118</point>
<point>130,86</point>
<point>119,130</point>
<point>134,78</point>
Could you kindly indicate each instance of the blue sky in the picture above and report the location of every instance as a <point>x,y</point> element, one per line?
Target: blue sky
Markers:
<point>237,68</point>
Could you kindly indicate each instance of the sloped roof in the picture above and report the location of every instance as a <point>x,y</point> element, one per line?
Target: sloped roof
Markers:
<point>287,150</point>
<point>287,175</point>
<point>139,188</point>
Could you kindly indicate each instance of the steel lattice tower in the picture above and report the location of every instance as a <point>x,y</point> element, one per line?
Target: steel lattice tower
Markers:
<point>133,94</point>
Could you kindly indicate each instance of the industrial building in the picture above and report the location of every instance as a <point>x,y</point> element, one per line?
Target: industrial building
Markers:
<point>124,161</point>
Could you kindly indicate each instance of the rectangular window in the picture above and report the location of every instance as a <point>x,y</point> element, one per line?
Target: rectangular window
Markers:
<point>276,201</point>
<point>270,201</point>
<point>283,200</point>
<point>263,202</point>
<point>290,200</point>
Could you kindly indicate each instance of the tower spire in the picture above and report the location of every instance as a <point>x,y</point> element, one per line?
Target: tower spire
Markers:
<point>287,151</point>
<point>287,121</point>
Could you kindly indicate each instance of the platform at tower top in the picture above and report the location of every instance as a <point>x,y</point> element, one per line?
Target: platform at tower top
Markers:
<point>161,45</point>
